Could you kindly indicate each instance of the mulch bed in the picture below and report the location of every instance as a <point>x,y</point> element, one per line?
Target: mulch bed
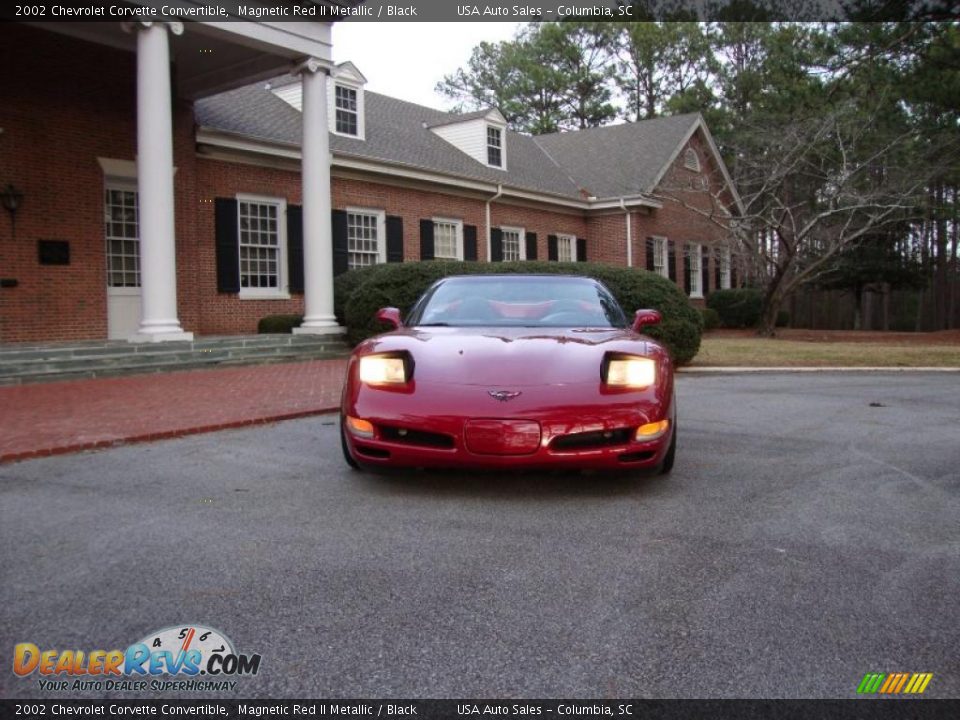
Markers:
<point>943,337</point>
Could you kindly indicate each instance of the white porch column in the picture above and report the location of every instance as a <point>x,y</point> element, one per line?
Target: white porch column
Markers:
<point>158,272</point>
<point>318,317</point>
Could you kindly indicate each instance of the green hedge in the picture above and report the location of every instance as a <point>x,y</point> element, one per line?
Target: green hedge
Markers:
<point>711,318</point>
<point>739,308</point>
<point>400,284</point>
<point>279,323</point>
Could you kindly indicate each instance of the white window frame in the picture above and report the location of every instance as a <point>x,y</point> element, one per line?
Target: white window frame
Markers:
<point>122,185</point>
<point>381,217</point>
<point>695,253</point>
<point>661,256</point>
<point>571,243</point>
<point>726,278</point>
<point>522,241</point>
<point>358,89</point>
<point>691,159</point>
<point>500,147</point>
<point>458,230</point>
<point>282,291</point>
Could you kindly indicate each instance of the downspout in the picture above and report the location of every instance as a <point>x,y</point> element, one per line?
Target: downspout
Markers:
<point>626,214</point>
<point>489,239</point>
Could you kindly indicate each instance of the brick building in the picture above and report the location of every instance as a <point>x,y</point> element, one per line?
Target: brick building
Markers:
<point>279,182</point>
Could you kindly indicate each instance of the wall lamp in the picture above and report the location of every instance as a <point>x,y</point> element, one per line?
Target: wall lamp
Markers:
<point>11,198</point>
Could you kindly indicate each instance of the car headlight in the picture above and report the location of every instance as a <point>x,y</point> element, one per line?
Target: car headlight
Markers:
<point>630,372</point>
<point>392,369</point>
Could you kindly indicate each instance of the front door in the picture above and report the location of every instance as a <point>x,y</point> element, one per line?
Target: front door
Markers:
<point>121,218</point>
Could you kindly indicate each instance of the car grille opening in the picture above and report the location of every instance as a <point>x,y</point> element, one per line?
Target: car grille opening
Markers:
<point>592,439</point>
<point>371,452</point>
<point>415,437</point>
<point>632,457</point>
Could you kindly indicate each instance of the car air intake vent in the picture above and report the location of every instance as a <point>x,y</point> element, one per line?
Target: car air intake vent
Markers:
<point>636,456</point>
<point>416,437</point>
<point>593,439</point>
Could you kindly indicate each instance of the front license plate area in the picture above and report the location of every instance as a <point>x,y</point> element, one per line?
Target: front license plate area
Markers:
<point>502,437</point>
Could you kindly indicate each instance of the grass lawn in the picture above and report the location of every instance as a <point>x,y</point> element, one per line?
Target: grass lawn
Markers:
<point>762,352</point>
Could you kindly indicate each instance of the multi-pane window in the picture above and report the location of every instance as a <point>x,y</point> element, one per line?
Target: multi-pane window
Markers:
<point>661,259</point>
<point>725,268</point>
<point>363,239</point>
<point>346,105</point>
<point>259,245</point>
<point>446,236</point>
<point>494,147</point>
<point>123,238</point>
<point>512,244</point>
<point>696,274</point>
<point>565,248</point>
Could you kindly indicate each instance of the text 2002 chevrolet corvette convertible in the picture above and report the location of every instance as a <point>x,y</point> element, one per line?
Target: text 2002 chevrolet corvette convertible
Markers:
<point>511,371</point>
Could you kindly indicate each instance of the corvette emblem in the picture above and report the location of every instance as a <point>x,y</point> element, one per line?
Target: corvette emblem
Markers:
<point>504,395</point>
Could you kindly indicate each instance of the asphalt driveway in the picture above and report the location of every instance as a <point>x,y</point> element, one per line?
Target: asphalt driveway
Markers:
<point>810,533</point>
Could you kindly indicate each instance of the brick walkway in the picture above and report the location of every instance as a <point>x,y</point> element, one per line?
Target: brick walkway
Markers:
<point>49,418</point>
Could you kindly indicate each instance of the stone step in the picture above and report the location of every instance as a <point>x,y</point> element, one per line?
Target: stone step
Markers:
<point>86,361</point>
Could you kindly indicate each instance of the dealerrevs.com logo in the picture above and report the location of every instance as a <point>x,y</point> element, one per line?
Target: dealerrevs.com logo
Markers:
<point>194,656</point>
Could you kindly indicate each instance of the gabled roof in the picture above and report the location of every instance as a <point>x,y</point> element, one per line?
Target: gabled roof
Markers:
<point>606,163</point>
<point>453,118</point>
<point>618,160</point>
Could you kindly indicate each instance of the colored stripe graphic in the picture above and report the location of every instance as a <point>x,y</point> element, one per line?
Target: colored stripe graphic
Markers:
<point>894,683</point>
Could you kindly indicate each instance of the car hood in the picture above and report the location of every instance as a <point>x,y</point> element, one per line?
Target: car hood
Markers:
<point>510,356</point>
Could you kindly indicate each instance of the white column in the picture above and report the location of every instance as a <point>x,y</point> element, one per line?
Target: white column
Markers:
<point>318,317</point>
<point>158,271</point>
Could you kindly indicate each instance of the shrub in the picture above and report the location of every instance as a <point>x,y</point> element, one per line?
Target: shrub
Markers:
<point>783,318</point>
<point>400,284</point>
<point>344,285</point>
<point>711,318</point>
<point>737,308</point>
<point>279,323</point>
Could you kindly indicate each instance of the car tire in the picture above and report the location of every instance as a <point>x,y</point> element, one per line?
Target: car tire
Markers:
<point>346,448</point>
<point>666,465</point>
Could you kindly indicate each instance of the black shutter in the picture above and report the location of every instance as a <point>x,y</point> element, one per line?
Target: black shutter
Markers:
<point>705,269</point>
<point>394,238</point>
<point>227,245</point>
<point>341,261</point>
<point>426,239</point>
<point>469,242</point>
<point>552,253</point>
<point>672,259</point>
<point>295,247</point>
<point>531,246</point>
<point>733,273</point>
<point>581,250</point>
<point>717,254</point>
<point>687,249</point>
<point>651,248</point>
<point>496,245</point>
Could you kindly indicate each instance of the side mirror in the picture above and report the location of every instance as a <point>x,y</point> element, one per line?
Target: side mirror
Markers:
<point>644,318</point>
<point>391,316</point>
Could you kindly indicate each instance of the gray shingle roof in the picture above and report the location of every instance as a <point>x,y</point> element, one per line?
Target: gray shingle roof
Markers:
<point>618,160</point>
<point>606,162</point>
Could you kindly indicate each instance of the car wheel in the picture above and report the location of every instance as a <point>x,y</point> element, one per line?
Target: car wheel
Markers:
<point>346,448</point>
<point>666,465</point>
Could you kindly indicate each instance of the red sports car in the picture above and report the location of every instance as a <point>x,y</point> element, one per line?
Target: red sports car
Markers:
<point>511,371</point>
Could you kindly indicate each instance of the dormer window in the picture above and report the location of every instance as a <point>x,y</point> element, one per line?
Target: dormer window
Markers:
<point>346,105</point>
<point>494,146</point>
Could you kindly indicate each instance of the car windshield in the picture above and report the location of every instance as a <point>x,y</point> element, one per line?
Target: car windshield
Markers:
<point>517,301</point>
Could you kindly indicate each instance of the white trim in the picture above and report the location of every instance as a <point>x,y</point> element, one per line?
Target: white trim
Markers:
<point>458,230</point>
<point>234,141</point>
<point>661,252</point>
<point>503,145</point>
<point>521,234</point>
<point>381,216</point>
<point>361,108</point>
<point>118,169</point>
<point>726,265</point>
<point>696,269</point>
<point>572,239</point>
<point>282,291</point>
